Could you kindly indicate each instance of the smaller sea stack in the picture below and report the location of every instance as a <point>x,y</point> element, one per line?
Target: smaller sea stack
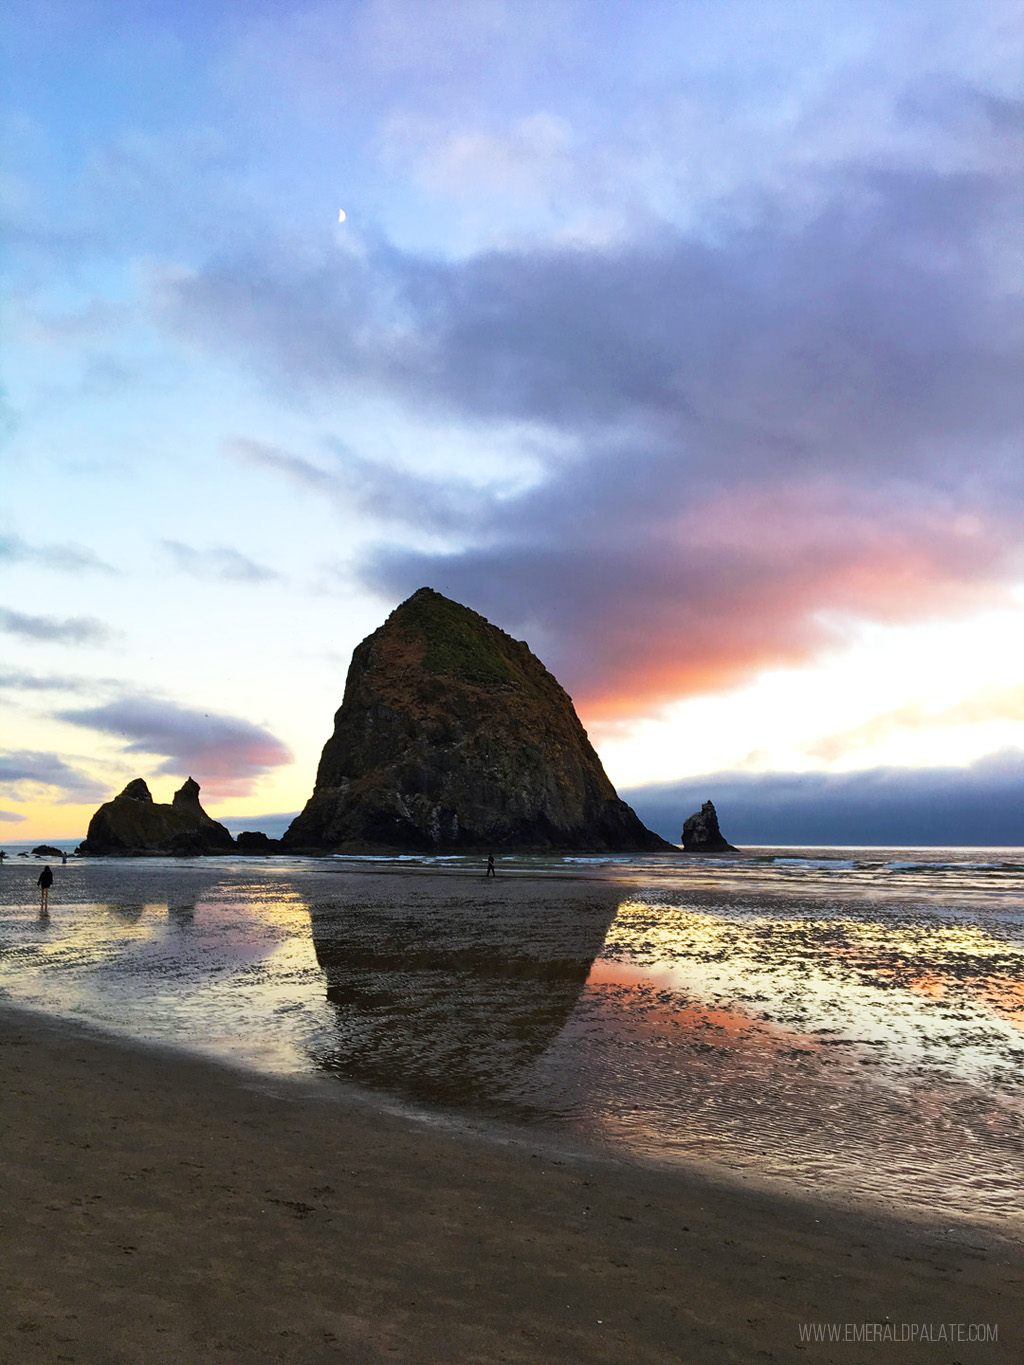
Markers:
<point>701,833</point>
<point>133,823</point>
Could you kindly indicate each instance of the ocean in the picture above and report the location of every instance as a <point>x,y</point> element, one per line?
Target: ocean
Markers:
<point>846,1022</point>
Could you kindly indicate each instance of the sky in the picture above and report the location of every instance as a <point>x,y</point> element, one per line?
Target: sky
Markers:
<point>681,340</point>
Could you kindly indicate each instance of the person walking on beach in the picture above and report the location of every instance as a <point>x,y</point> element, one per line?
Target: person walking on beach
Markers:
<point>490,867</point>
<point>45,881</point>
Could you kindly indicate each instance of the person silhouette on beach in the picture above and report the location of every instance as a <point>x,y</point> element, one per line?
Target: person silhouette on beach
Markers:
<point>3,855</point>
<point>45,881</point>
<point>490,867</point>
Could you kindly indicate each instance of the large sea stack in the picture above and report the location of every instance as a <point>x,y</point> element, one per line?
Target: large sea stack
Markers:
<point>134,823</point>
<point>452,735</point>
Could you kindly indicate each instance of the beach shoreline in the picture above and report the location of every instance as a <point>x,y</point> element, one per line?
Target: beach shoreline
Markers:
<point>165,1207</point>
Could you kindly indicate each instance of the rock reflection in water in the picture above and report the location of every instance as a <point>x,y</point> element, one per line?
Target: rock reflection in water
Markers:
<point>126,913</point>
<point>450,999</point>
<point>182,916</point>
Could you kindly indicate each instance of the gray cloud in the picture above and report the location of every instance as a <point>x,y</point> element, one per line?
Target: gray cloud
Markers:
<point>882,317</point>
<point>73,630</point>
<point>977,805</point>
<point>219,562</point>
<point>805,419</point>
<point>63,558</point>
<point>260,455</point>
<point>224,753</point>
<point>11,816</point>
<point>31,682</point>
<point>23,771</point>
<point>384,491</point>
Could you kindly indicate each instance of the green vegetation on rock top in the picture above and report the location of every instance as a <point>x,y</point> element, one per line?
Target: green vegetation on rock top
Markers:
<point>458,641</point>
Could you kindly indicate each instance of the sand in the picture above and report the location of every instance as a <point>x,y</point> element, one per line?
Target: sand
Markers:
<point>161,1208</point>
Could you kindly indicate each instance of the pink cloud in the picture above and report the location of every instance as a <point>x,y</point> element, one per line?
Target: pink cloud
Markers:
<point>226,755</point>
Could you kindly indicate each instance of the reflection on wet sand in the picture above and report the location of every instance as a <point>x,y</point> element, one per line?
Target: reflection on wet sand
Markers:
<point>126,912</point>
<point>835,1050</point>
<point>789,1028</point>
<point>449,999</point>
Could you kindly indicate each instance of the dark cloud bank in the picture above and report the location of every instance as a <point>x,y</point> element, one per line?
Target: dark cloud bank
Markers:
<point>979,805</point>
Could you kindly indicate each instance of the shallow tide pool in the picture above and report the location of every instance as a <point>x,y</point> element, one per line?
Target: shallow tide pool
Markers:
<point>848,1021</point>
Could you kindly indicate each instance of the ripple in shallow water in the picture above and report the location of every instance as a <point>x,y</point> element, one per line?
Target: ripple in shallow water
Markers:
<point>847,1025</point>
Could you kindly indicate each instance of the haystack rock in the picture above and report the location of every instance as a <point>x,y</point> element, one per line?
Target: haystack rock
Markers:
<point>451,736</point>
<point>701,833</point>
<point>134,823</point>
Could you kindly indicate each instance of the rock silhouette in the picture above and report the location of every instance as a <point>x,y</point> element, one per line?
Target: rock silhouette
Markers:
<point>133,823</point>
<point>255,841</point>
<point>453,735</point>
<point>701,833</point>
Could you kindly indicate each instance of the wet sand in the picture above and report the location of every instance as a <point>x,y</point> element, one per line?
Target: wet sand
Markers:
<point>160,1208</point>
